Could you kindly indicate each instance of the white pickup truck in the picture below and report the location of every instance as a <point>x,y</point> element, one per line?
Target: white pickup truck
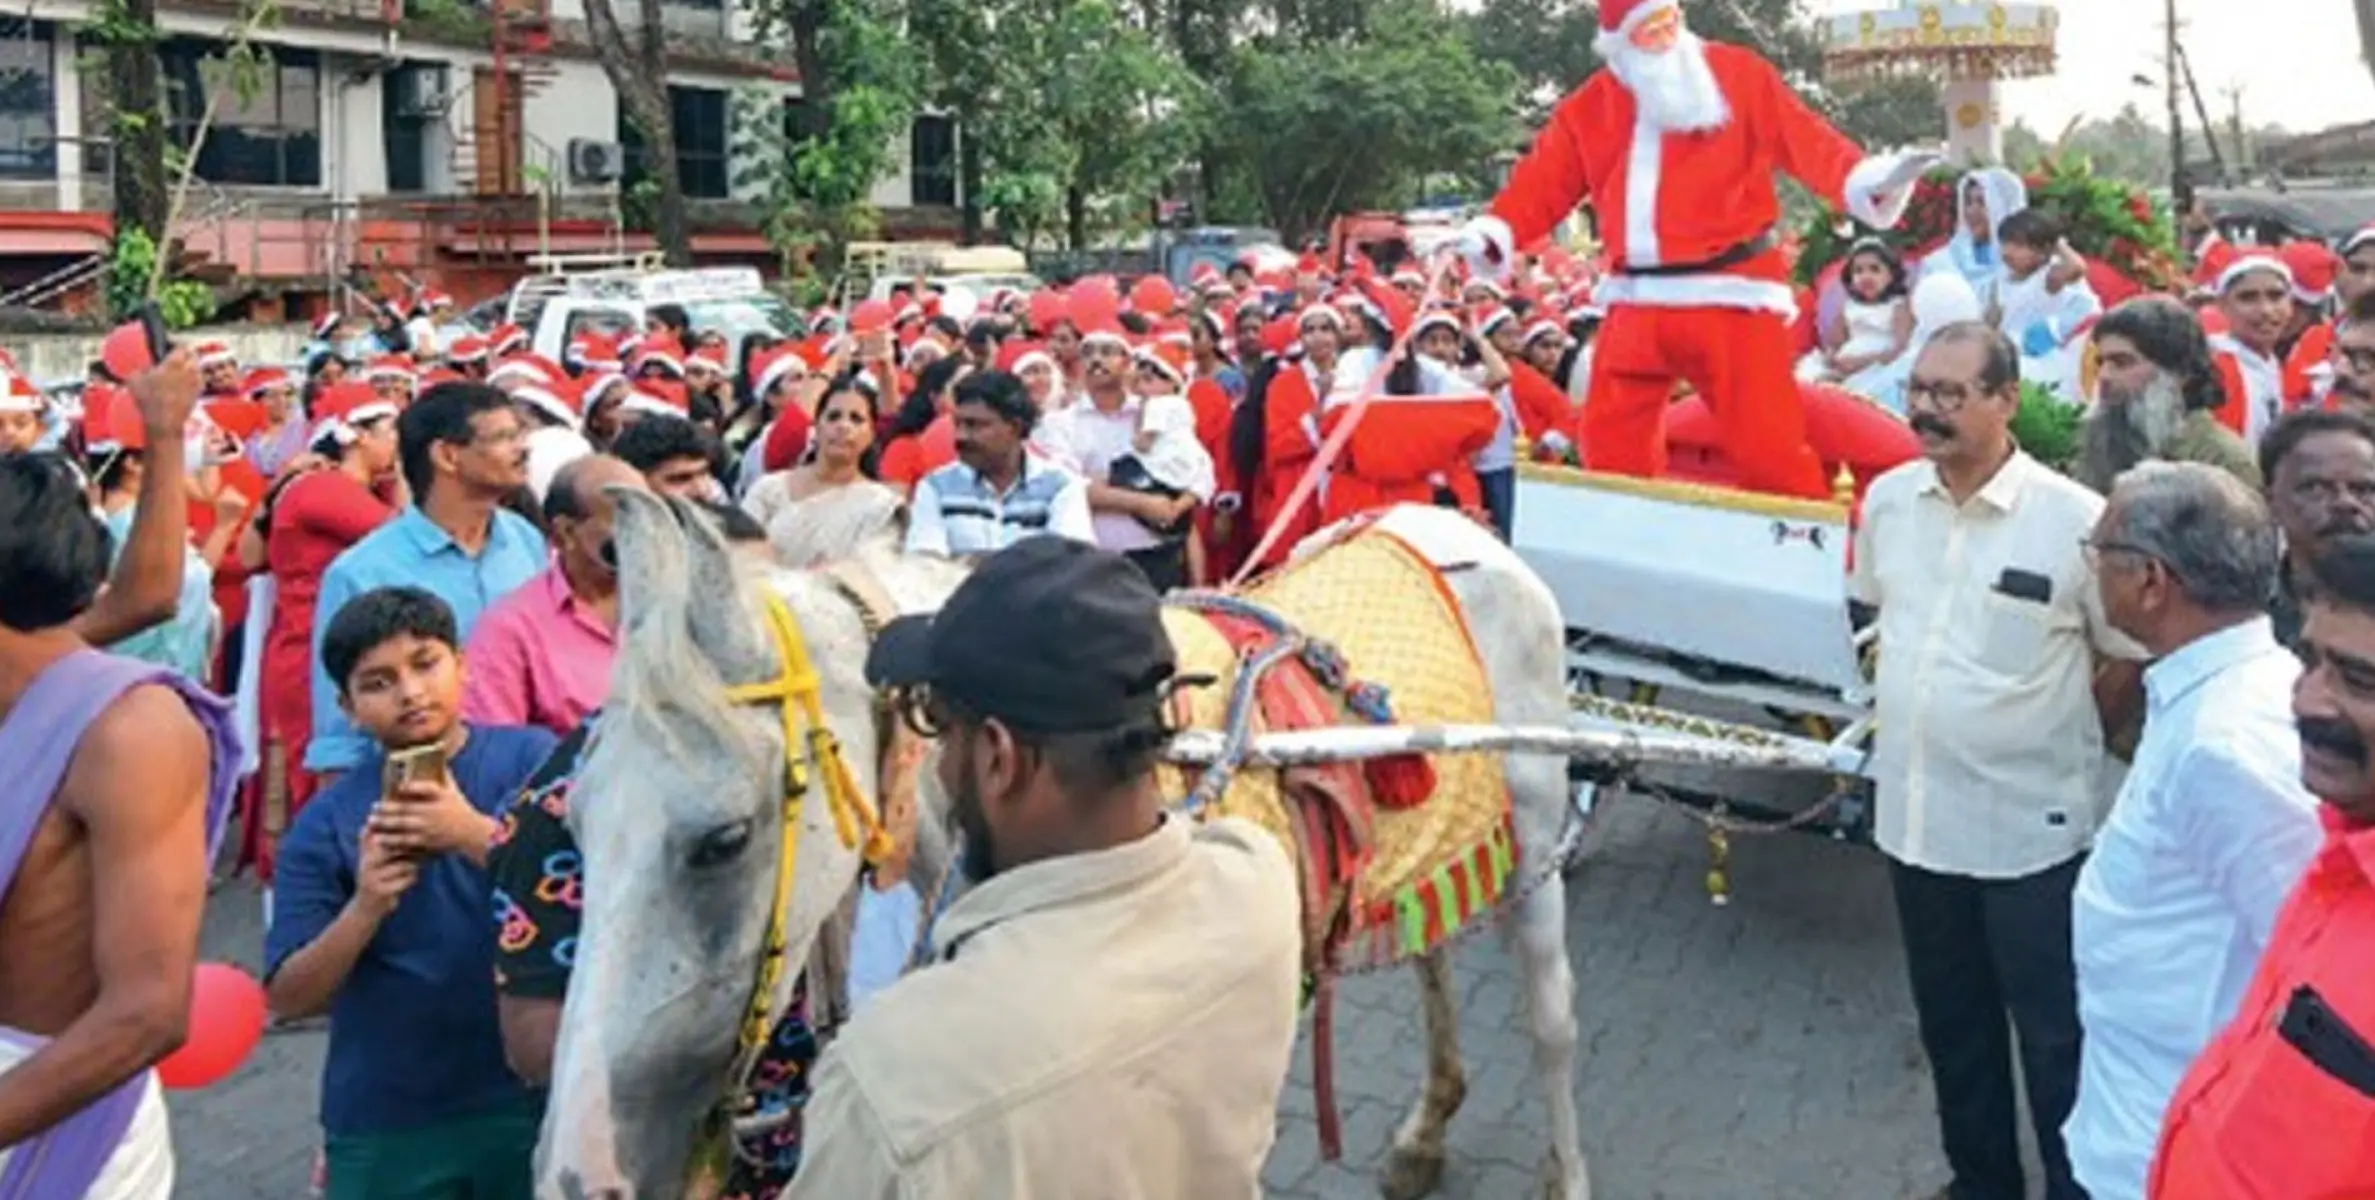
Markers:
<point>568,297</point>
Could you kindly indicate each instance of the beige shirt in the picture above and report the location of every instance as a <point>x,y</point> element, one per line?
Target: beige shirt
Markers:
<point>1988,759</point>
<point>1108,1026</point>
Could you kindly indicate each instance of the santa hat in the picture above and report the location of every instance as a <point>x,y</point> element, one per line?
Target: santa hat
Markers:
<point>21,396</point>
<point>433,300</point>
<point>506,338</point>
<point>214,354</point>
<point>390,366</point>
<point>1319,312</point>
<point>557,399</point>
<point>1104,330</point>
<point>436,376</point>
<point>1619,18</point>
<point>1168,360</point>
<point>599,386</point>
<point>1216,323</point>
<point>1047,310</point>
<point>1438,316</point>
<point>1017,356</point>
<point>264,379</point>
<point>342,407</point>
<point>652,400</point>
<point>775,366</point>
<point>327,324</point>
<point>1542,327</point>
<point>2251,262</point>
<point>871,316</point>
<point>1278,337</point>
<point>2359,239</point>
<point>1492,319</point>
<point>2314,268</point>
<point>708,358</point>
<point>530,368</point>
<point>1203,275</point>
<point>1487,286</point>
<point>660,354</point>
<point>468,348</point>
<point>592,352</point>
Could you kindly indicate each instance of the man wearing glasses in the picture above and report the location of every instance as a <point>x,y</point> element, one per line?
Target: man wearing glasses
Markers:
<point>1989,762</point>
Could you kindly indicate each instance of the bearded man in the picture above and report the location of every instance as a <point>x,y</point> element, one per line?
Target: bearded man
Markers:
<point>2157,397</point>
<point>1676,143</point>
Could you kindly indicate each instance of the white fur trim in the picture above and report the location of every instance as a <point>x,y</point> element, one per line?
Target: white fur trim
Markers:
<point>548,404</point>
<point>645,402</point>
<point>2357,241</point>
<point>2250,264</point>
<point>781,367</point>
<point>1430,319</point>
<point>1034,358</point>
<point>1491,249</point>
<point>1645,168</point>
<point>1105,335</point>
<point>1698,291</point>
<point>370,412</point>
<point>1863,185</point>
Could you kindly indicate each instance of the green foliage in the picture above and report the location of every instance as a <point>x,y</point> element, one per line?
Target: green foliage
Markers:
<point>814,175</point>
<point>1327,129</point>
<point>2047,427</point>
<point>2107,220</point>
<point>449,20</point>
<point>132,265</point>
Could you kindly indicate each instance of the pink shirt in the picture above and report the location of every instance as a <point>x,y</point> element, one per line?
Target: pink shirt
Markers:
<point>538,658</point>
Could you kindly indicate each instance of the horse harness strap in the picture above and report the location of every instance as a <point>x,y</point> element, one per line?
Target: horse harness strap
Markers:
<point>798,694</point>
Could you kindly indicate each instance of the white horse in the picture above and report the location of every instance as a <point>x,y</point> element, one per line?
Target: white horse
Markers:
<point>680,819</point>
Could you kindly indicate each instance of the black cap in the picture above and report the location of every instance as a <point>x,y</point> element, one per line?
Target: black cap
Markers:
<point>1048,635</point>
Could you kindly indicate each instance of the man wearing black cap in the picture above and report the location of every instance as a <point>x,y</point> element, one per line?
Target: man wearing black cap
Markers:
<point>1113,1003</point>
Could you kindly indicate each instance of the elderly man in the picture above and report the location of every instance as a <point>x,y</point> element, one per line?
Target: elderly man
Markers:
<point>2320,468</point>
<point>2157,396</point>
<point>2255,295</point>
<point>1989,762</point>
<point>2281,1105</point>
<point>2212,826</point>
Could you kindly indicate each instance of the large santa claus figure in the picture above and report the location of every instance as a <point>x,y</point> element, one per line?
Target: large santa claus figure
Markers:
<point>1675,144</point>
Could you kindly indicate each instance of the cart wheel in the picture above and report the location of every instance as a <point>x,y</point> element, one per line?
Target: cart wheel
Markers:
<point>1587,827</point>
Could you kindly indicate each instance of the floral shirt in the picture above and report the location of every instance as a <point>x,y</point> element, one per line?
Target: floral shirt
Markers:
<point>538,907</point>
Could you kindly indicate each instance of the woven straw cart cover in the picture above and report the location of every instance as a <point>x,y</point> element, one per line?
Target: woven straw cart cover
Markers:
<point>1438,865</point>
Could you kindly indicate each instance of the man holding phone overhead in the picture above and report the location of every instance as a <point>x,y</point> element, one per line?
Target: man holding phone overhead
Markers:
<point>1998,674</point>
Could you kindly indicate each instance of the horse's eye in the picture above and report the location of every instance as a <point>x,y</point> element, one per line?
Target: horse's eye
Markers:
<point>721,845</point>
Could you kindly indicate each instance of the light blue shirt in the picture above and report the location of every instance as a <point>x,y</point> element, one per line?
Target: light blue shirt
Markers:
<point>956,512</point>
<point>412,550</point>
<point>2210,833</point>
<point>184,643</point>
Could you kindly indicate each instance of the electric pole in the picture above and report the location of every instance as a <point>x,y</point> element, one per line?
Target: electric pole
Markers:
<point>2181,190</point>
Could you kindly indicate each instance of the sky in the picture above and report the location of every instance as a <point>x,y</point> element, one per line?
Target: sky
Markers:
<point>2296,61</point>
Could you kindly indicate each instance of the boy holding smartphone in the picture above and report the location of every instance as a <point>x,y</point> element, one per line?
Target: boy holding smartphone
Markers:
<point>379,919</point>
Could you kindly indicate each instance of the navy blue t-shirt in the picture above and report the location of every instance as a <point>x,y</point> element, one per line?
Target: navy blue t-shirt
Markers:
<point>413,1034</point>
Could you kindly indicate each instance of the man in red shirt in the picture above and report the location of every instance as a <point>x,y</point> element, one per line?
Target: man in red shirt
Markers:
<point>2282,1105</point>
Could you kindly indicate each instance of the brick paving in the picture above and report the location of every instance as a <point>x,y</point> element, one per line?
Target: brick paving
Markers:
<point>1760,1051</point>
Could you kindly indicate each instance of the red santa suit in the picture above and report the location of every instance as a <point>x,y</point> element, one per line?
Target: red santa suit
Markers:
<point>1290,442</point>
<point>1698,287</point>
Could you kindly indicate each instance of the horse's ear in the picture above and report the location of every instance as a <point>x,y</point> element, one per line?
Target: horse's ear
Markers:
<point>722,621</point>
<point>655,588</point>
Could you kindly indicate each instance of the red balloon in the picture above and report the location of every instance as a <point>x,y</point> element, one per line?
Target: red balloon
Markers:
<point>226,1021</point>
<point>1152,295</point>
<point>1094,302</point>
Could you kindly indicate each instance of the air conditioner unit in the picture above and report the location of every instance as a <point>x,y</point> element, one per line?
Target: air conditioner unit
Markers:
<point>419,90</point>
<point>592,161</point>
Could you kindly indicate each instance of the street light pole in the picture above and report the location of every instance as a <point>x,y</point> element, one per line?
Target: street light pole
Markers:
<point>2181,192</point>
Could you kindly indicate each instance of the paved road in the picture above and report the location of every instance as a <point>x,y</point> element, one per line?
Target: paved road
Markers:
<point>1762,1051</point>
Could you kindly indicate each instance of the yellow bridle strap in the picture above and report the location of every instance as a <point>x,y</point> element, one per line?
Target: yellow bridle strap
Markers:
<point>798,694</point>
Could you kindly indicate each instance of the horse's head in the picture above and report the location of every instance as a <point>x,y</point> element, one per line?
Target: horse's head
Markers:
<point>679,813</point>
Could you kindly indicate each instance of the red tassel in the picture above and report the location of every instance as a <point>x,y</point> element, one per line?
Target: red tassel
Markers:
<point>1323,1068</point>
<point>1401,781</point>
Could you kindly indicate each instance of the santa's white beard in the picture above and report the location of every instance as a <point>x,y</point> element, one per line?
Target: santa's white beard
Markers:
<point>1675,89</point>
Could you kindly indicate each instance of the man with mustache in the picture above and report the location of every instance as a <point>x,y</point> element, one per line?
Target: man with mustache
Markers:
<point>2320,469</point>
<point>1045,678</point>
<point>2281,1106</point>
<point>1989,760</point>
<point>1676,144</point>
<point>2212,826</point>
<point>2157,396</point>
<point>998,492</point>
<point>2348,378</point>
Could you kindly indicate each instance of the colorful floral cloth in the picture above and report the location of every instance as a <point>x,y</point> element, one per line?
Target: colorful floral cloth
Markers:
<point>538,907</point>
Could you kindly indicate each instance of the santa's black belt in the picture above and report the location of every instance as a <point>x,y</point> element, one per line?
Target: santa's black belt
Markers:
<point>1732,257</point>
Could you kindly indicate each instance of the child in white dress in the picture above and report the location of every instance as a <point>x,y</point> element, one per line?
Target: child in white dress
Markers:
<point>1873,326</point>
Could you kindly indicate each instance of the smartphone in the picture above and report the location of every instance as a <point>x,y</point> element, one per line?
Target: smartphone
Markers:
<point>132,348</point>
<point>417,764</point>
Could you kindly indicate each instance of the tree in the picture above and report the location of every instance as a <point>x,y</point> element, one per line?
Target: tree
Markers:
<point>637,66</point>
<point>1072,107</point>
<point>815,161</point>
<point>126,33</point>
<point>1314,130</point>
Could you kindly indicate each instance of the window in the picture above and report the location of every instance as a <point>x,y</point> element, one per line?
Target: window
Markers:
<point>703,131</point>
<point>404,123</point>
<point>932,162</point>
<point>28,101</point>
<point>271,138</point>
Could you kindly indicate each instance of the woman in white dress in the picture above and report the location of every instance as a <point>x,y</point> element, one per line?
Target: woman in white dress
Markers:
<point>817,511</point>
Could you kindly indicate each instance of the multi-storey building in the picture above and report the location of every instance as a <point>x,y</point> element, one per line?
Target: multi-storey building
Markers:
<point>433,141</point>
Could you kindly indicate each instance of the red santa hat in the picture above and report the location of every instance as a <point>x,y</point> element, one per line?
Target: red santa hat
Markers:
<point>507,338</point>
<point>528,368</point>
<point>708,358</point>
<point>1153,295</point>
<point>341,408</point>
<point>2251,262</point>
<point>1619,18</point>
<point>327,324</point>
<point>2359,239</point>
<point>1168,360</point>
<point>1438,316</point>
<point>390,366</point>
<point>1104,329</point>
<point>264,379</point>
<point>775,366</point>
<point>111,421</point>
<point>1047,310</point>
<point>468,348</point>
<point>214,354</point>
<point>21,396</point>
<point>2314,268</point>
<point>1018,356</point>
<point>1319,313</point>
<point>1492,319</point>
<point>558,399</point>
<point>870,316</point>
<point>592,352</point>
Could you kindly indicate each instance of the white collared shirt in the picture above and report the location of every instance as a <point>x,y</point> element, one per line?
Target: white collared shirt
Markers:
<point>1988,760</point>
<point>2208,837</point>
